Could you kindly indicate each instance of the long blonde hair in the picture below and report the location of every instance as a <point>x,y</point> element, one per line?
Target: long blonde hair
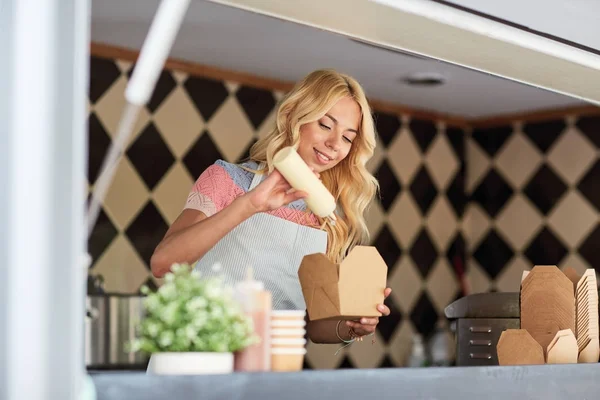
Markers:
<point>349,182</point>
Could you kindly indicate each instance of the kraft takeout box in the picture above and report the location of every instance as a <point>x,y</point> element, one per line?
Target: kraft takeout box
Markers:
<point>346,291</point>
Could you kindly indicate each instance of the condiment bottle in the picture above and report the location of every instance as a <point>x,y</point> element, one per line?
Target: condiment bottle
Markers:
<point>293,168</point>
<point>256,303</point>
<point>418,356</point>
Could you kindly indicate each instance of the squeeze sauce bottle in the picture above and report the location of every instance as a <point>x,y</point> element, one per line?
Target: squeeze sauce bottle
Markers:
<point>256,303</point>
<point>299,175</point>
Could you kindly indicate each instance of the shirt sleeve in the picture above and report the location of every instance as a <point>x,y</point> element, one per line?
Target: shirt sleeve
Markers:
<point>212,191</point>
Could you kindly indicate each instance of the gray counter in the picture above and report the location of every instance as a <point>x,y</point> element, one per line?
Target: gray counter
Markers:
<point>547,382</point>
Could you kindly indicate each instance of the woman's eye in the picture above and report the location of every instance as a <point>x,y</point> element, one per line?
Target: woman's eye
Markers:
<point>347,139</point>
<point>324,126</point>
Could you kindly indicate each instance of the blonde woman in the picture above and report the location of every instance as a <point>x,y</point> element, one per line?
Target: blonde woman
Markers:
<point>245,215</point>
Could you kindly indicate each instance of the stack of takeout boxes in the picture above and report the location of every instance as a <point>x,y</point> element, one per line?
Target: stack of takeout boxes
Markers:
<point>559,319</point>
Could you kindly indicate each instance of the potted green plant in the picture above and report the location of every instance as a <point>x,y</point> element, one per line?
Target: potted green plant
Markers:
<point>191,325</point>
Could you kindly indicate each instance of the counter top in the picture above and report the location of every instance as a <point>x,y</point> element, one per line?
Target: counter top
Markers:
<point>547,382</point>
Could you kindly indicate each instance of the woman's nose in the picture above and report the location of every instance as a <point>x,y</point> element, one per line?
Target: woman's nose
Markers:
<point>333,142</point>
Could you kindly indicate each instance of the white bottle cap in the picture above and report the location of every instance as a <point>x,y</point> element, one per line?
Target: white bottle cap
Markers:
<point>250,283</point>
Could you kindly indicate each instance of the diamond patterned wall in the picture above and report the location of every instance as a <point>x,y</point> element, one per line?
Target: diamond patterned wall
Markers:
<point>191,121</point>
<point>526,196</point>
<point>535,199</point>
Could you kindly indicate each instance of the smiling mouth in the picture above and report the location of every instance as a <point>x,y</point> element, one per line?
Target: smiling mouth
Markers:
<point>322,156</point>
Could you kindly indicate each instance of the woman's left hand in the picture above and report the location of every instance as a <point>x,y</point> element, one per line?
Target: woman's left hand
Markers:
<point>367,325</point>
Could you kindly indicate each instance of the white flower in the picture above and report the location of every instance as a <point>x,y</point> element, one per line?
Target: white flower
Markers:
<point>177,268</point>
<point>197,303</point>
<point>195,275</point>
<point>216,312</point>
<point>169,313</point>
<point>200,319</point>
<point>152,303</point>
<point>168,291</point>
<point>190,332</point>
<point>169,277</point>
<point>166,338</point>
<point>153,329</point>
<point>231,310</point>
<point>213,292</point>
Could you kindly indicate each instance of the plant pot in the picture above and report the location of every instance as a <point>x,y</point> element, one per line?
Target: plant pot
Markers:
<point>193,363</point>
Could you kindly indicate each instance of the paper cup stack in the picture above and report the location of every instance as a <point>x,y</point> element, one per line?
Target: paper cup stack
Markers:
<point>288,344</point>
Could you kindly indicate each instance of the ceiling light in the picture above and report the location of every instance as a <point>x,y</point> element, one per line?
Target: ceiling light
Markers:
<point>424,79</point>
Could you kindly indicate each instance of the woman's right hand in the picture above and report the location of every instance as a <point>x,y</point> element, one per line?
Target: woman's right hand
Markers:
<point>273,193</point>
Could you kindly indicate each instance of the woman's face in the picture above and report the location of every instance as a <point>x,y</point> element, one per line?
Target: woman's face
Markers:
<point>326,142</point>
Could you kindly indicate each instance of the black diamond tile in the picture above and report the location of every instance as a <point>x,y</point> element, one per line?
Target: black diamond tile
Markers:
<point>424,132</point>
<point>588,186</point>
<point>545,249</point>
<point>590,126</point>
<point>347,364</point>
<point>387,362</point>
<point>389,185</point>
<point>201,155</point>
<point>256,103</point>
<point>590,251</point>
<point>130,72</point>
<point>544,134</point>
<point>388,248</point>
<point>246,153</point>
<point>492,139</point>
<point>388,325</point>
<point>102,236</point>
<point>306,364</point>
<point>545,189</point>
<point>98,144</point>
<point>492,193</point>
<point>150,284</point>
<point>146,231</point>
<point>103,73</point>
<point>387,126</point>
<point>423,190</point>
<point>456,255</point>
<point>456,137</point>
<point>423,316</point>
<point>165,85</point>
<point>493,253</point>
<point>150,156</point>
<point>456,193</point>
<point>423,253</point>
<point>207,94</point>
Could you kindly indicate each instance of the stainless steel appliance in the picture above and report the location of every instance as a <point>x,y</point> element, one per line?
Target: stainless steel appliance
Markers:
<point>96,340</point>
<point>477,321</point>
<point>111,323</point>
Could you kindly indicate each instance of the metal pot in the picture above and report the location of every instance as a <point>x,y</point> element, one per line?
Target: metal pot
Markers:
<point>96,323</point>
<point>111,323</point>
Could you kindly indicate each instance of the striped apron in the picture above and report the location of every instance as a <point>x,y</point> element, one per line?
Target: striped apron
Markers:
<point>273,247</point>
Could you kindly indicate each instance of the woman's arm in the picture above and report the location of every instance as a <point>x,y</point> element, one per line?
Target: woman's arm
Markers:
<point>192,235</point>
<point>324,332</point>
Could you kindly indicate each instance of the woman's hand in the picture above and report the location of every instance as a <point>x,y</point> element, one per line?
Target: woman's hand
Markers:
<point>272,193</point>
<point>365,326</point>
